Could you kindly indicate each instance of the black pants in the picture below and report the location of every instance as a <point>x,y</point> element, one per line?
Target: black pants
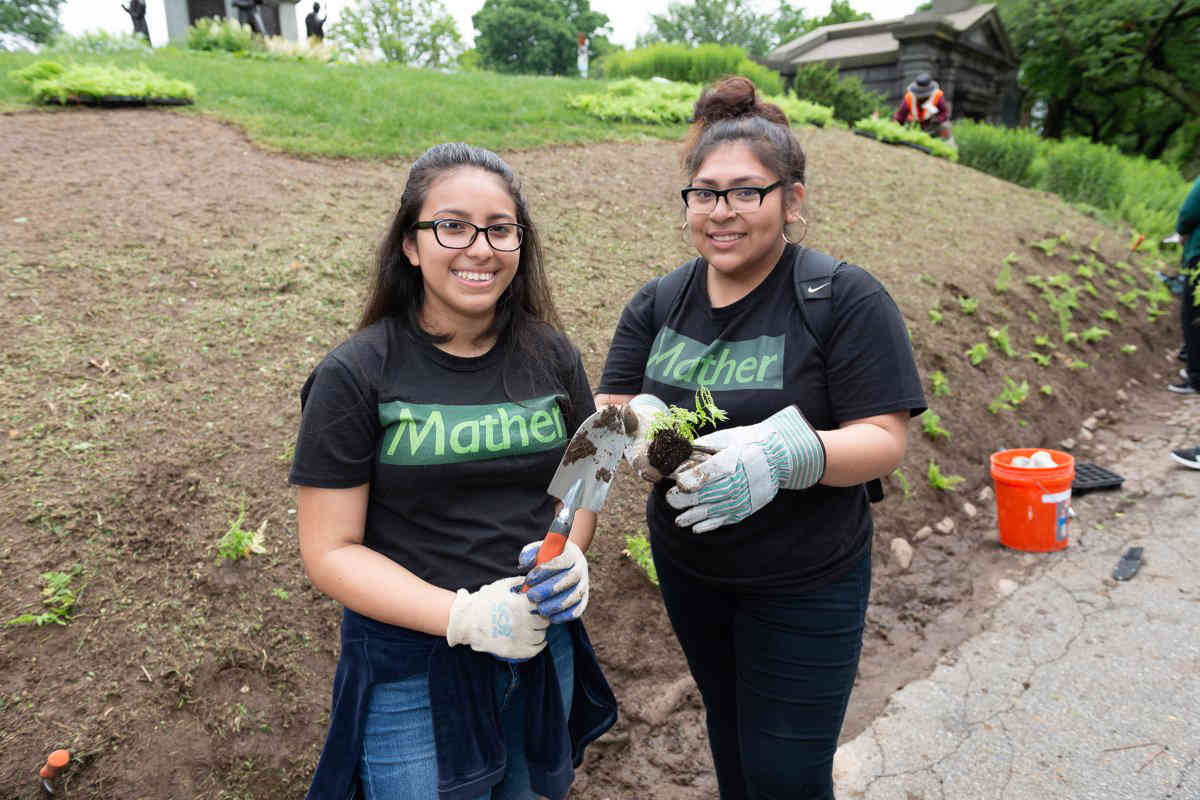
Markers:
<point>1189,318</point>
<point>775,670</point>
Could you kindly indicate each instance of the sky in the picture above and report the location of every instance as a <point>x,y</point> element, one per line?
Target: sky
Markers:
<point>628,18</point>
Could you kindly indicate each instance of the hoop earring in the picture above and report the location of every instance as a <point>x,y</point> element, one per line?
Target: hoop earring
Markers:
<point>683,231</point>
<point>802,235</point>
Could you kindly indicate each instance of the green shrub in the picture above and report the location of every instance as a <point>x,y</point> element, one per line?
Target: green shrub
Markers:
<point>849,99</point>
<point>231,36</point>
<point>1004,152</point>
<point>1081,171</point>
<point>95,81</point>
<point>678,62</point>
<point>100,43</point>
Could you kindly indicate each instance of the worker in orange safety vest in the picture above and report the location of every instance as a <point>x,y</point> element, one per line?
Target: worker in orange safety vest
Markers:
<point>924,104</point>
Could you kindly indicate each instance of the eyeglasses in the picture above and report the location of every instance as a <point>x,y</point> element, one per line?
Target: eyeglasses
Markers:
<point>701,200</point>
<point>458,234</point>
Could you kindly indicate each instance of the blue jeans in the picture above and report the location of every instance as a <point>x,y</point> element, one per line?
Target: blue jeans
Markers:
<point>775,670</point>
<point>399,758</point>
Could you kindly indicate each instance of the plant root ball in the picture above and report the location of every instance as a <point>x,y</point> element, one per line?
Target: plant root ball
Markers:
<point>667,451</point>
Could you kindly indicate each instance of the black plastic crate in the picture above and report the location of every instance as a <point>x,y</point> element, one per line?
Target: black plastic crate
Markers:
<point>1089,477</point>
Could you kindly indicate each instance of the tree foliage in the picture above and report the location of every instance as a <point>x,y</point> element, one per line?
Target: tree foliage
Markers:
<point>419,33</point>
<point>536,36</point>
<point>1123,72</point>
<point>790,22</point>
<point>726,22</point>
<point>35,20</point>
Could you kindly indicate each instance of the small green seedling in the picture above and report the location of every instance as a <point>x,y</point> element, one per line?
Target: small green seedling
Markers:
<point>940,482</point>
<point>1046,389</point>
<point>671,432</point>
<point>1085,272</point>
<point>1129,349</point>
<point>1071,337</point>
<point>57,596</point>
<point>1077,364</point>
<point>238,542</point>
<point>1041,340</point>
<point>1110,315</point>
<point>900,478</point>
<point>637,550</point>
<point>940,386</point>
<point>977,353</point>
<point>931,422</point>
<point>1003,278</point>
<point>927,279</point>
<point>1130,298</point>
<point>1095,334</point>
<point>1059,280</point>
<point>1013,395</point>
<point>999,337</point>
<point>1091,289</point>
<point>1041,359</point>
<point>1113,284</point>
<point>968,305</point>
<point>935,316</point>
<point>1047,246</point>
<point>1033,317</point>
<point>1036,281</point>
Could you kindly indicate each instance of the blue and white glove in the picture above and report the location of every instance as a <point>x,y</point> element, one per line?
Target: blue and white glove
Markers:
<point>497,619</point>
<point>559,587</point>
<point>752,464</point>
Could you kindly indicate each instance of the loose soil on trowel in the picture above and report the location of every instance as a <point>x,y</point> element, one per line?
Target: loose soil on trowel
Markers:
<point>167,288</point>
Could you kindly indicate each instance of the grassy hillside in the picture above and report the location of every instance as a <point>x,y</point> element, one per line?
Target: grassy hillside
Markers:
<point>368,111</point>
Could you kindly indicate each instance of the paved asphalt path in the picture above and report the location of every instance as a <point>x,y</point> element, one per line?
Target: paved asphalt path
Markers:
<point>1081,687</point>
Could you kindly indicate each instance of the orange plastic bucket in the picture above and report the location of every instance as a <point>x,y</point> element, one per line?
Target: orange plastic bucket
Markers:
<point>1033,504</point>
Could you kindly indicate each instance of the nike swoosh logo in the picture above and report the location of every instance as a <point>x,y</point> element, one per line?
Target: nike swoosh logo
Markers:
<point>815,289</point>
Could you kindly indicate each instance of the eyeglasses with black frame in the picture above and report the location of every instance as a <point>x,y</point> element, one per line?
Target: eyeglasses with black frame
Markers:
<point>703,200</point>
<point>458,234</point>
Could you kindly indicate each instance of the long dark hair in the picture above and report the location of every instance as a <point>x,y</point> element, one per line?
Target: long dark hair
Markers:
<point>523,311</point>
<point>730,111</point>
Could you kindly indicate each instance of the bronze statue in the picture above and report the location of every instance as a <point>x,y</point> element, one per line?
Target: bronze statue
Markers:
<point>248,14</point>
<point>314,25</point>
<point>137,12</point>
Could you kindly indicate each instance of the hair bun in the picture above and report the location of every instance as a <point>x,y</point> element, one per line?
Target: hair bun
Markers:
<point>733,98</point>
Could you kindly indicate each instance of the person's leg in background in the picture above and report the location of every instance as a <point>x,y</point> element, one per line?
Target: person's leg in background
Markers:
<point>797,660</point>
<point>1189,318</point>
<point>702,618</point>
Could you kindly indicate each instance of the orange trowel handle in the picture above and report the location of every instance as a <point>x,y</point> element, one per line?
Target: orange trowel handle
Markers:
<point>552,546</point>
<point>54,764</point>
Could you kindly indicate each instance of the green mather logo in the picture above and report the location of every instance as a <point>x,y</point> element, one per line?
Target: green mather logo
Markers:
<point>437,434</point>
<point>723,366</point>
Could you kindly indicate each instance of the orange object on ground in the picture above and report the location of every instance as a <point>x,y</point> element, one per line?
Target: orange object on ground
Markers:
<point>55,763</point>
<point>1033,504</point>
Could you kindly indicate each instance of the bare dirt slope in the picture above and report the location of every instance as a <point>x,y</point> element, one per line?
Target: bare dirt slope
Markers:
<point>167,288</point>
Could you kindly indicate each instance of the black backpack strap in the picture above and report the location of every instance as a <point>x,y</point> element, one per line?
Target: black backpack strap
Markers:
<point>812,275</point>
<point>669,290</point>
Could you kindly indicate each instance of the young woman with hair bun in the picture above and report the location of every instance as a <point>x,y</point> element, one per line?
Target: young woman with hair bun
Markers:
<point>763,548</point>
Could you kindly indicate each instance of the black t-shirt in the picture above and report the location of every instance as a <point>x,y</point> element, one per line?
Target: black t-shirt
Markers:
<point>458,451</point>
<point>757,357</point>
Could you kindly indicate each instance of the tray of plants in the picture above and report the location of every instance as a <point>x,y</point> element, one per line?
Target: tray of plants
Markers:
<point>1090,476</point>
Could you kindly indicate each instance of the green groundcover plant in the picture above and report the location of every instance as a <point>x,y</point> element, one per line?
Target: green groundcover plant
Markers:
<point>51,82</point>
<point>662,102</point>
<point>887,130</point>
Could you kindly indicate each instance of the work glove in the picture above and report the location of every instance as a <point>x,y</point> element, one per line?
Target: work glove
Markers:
<point>559,587</point>
<point>752,463</point>
<point>497,619</point>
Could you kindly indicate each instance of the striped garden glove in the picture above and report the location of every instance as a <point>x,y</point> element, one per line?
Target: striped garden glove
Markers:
<point>752,464</point>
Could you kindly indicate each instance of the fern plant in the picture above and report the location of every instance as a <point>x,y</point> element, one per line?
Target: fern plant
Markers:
<point>671,432</point>
<point>940,386</point>
<point>932,423</point>
<point>977,353</point>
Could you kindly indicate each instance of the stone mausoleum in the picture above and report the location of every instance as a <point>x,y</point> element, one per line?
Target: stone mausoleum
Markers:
<point>279,16</point>
<point>963,46</point>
